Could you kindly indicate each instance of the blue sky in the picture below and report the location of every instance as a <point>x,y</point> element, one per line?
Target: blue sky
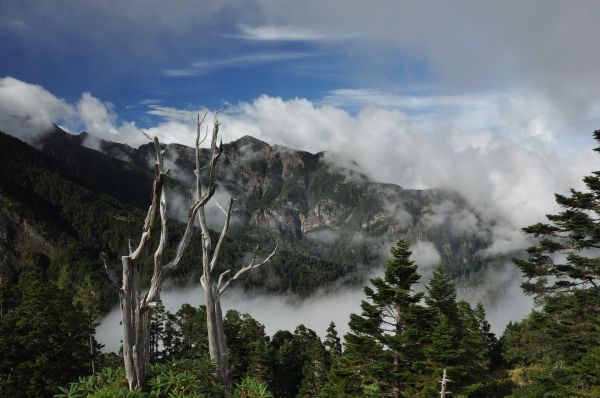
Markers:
<point>189,59</point>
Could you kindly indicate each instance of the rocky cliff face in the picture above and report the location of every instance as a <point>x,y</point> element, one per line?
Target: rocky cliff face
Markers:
<point>332,222</point>
<point>310,201</point>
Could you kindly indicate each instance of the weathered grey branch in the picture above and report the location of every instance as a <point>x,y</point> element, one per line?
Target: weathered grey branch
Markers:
<point>153,293</point>
<point>223,274</point>
<point>199,126</point>
<point>111,275</point>
<point>253,265</point>
<point>215,255</point>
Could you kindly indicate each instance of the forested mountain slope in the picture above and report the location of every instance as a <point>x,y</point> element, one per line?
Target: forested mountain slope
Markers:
<point>70,202</point>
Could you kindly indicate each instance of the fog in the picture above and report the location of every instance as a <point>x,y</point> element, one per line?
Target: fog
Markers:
<point>500,294</point>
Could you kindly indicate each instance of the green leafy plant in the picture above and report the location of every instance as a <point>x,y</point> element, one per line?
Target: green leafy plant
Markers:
<point>251,388</point>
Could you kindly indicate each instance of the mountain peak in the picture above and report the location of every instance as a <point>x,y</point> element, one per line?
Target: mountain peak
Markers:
<point>249,140</point>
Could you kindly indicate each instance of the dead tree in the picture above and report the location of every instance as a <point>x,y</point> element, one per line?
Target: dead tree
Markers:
<point>135,300</point>
<point>444,382</point>
<point>214,286</point>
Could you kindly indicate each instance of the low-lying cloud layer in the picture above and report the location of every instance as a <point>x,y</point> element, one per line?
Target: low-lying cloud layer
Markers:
<point>499,293</point>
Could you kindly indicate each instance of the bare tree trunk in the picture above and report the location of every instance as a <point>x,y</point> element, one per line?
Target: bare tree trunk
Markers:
<point>444,383</point>
<point>134,299</point>
<point>92,354</point>
<point>214,288</point>
<point>136,327</point>
<point>222,342</point>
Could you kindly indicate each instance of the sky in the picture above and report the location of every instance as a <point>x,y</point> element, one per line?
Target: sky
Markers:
<point>495,100</point>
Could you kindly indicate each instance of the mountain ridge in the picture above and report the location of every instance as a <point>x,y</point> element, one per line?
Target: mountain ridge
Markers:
<point>299,193</point>
<point>332,223</point>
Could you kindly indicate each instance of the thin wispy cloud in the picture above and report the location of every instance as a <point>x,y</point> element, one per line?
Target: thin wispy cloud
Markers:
<point>201,67</point>
<point>289,33</point>
<point>150,101</point>
<point>364,97</point>
<point>170,113</point>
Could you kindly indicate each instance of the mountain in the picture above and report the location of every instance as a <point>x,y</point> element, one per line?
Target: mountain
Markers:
<point>69,197</point>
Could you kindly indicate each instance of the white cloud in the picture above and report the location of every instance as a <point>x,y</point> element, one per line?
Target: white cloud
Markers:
<point>26,110</point>
<point>276,312</point>
<point>517,113</point>
<point>99,119</point>
<point>426,256</point>
<point>201,67</point>
<point>499,290</point>
<point>289,33</point>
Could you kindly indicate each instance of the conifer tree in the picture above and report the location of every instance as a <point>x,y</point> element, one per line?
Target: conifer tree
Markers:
<point>314,372</point>
<point>492,346</point>
<point>158,319</point>
<point>283,359</point>
<point>247,341</point>
<point>456,341</point>
<point>386,340</point>
<point>259,363</point>
<point>441,296</point>
<point>332,342</point>
<point>44,341</point>
<point>444,350</point>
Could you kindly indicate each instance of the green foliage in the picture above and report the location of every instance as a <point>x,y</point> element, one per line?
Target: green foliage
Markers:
<point>259,363</point>
<point>398,347</point>
<point>107,381</point>
<point>291,353</point>
<point>386,339</point>
<point>249,350</point>
<point>44,341</point>
<point>332,342</point>
<point>554,349</point>
<point>251,388</point>
<point>186,378</point>
<point>183,378</point>
<point>315,371</point>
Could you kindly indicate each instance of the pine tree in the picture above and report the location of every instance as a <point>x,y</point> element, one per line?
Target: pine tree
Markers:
<point>158,318</point>
<point>246,341</point>
<point>191,323</point>
<point>444,350</point>
<point>456,341</point>
<point>441,296</point>
<point>88,299</point>
<point>44,341</point>
<point>332,342</point>
<point>314,372</point>
<point>172,337</point>
<point>259,363</point>
<point>493,348</point>
<point>387,339</point>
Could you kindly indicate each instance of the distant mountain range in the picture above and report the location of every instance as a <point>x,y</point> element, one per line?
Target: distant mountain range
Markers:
<point>68,201</point>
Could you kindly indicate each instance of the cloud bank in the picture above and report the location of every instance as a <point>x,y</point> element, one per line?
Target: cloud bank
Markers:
<point>501,296</point>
